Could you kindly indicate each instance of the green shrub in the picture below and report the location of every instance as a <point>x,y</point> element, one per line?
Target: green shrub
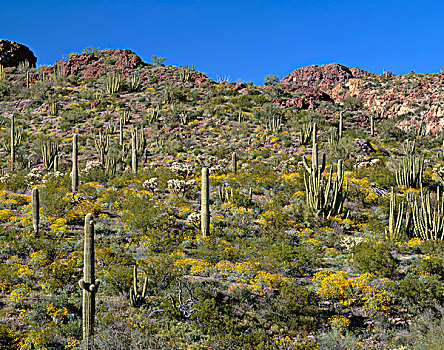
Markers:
<point>420,292</point>
<point>374,258</point>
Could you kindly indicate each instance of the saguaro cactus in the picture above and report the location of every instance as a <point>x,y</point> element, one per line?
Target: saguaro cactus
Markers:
<point>133,153</point>
<point>137,299</point>
<point>35,209</point>
<point>341,125</point>
<point>205,203</point>
<point>16,137</point>
<point>75,167</point>
<point>234,162</point>
<point>372,125</point>
<point>89,285</point>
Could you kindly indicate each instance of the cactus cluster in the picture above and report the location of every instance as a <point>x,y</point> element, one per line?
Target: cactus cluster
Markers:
<point>324,198</point>
<point>136,298</point>
<point>428,219</point>
<point>397,226</point>
<point>113,83</point>
<point>49,153</point>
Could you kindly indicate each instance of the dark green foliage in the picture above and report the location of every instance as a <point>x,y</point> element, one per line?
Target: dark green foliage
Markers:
<point>421,292</point>
<point>374,258</point>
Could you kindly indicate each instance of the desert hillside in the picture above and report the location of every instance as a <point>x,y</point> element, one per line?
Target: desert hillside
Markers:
<point>305,213</point>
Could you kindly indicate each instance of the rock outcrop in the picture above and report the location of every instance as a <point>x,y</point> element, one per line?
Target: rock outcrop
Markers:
<point>322,76</point>
<point>88,65</point>
<point>12,53</point>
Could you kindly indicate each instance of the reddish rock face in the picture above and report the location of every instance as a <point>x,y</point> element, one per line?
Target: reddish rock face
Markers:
<point>12,53</point>
<point>90,66</point>
<point>322,76</point>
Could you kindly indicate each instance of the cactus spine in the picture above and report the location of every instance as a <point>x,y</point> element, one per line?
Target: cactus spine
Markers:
<point>137,299</point>
<point>75,167</point>
<point>205,203</point>
<point>88,284</point>
<point>35,210</point>
<point>234,162</point>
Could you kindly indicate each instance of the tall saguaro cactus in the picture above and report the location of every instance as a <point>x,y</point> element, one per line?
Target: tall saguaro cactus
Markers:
<point>75,165</point>
<point>88,284</point>
<point>134,153</point>
<point>234,162</point>
<point>16,137</point>
<point>205,203</point>
<point>35,209</point>
<point>341,125</point>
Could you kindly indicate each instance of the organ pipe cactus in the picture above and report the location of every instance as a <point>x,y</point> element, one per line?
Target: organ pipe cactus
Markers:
<point>35,209</point>
<point>306,133</point>
<point>409,171</point>
<point>52,108</point>
<point>205,203</point>
<point>428,220</point>
<point>2,73</point>
<point>102,146</point>
<point>75,167</point>
<point>125,116</point>
<point>49,153</point>
<point>89,285</point>
<point>323,197</point>
<point>396,214</point>
<point>113,83</point>
<point>137,299</point>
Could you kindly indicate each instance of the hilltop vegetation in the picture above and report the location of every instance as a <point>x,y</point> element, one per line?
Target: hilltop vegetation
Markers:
<point>325,197</point>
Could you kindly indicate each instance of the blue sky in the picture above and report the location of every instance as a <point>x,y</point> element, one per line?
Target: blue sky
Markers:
<point>245,40</point>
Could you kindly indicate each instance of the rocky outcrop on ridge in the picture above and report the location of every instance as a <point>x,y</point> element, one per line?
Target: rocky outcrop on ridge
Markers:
<point>322,76</point>
<point>12,54</point>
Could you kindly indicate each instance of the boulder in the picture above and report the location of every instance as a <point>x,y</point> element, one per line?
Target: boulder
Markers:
<point>12,53</point>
